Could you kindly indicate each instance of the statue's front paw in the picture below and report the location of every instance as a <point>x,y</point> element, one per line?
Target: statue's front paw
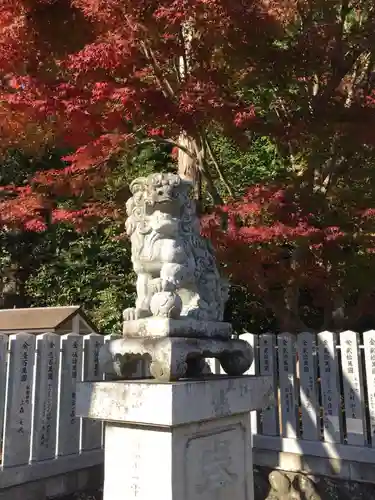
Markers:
<point>129,314</point>
<point>132,313</point>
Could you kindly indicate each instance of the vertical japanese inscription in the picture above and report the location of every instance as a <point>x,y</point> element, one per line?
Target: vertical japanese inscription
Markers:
<point>353,388</point>
<point>287,363</point>
<point>91,432</point>
<point>306,345</point>
<point>267,366</point>
<point>369,350</point>
<point>68,440</point>
<point>17,430</point>
<point>330,387</point>
<point>45,406</point>
<point>135,480</point>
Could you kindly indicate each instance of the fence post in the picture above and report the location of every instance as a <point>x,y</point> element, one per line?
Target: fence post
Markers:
<point>307,358</point>
<point>369,349</point>
<point>288,389</point>
<point>18,400</point>
<point>330,387</point>
<point>268,366</point>
<point>45,398</point>
<point>91,430</point>
<point>252,339</point>
<point>356,433</point>
<point>68,424</point>
<point>3,373</point>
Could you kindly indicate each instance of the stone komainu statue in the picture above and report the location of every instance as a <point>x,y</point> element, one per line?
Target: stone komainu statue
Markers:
<point>169,255</point>
<point>177,320</point>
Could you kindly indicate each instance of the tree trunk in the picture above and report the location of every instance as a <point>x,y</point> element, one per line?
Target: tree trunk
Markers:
<point>188,167</point>
<point>193,167</point>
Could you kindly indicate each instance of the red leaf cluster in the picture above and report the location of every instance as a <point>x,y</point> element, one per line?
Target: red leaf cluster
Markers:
<point>95,74</point>
<point>277,242</point>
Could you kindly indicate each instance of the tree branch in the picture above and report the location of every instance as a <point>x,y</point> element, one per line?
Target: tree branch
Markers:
<point>203,167</point>
<point>160,78</point>
<point>183,70</point>
<point>219,170</point>
<point>340,66</point>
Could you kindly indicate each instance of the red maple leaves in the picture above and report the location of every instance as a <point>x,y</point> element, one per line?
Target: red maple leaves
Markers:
<point>280,244</point>
<point>100,76</point>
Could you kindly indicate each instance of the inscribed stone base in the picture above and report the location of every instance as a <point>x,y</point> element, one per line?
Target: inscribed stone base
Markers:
<point>207,461</point>
<point>188,440</point>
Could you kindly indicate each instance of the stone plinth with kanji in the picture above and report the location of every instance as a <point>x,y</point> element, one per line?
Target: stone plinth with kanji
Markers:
<point>187,440</point>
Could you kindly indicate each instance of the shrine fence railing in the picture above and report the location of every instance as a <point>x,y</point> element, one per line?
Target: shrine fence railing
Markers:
<point>323,421</point>
<point>40,435</point>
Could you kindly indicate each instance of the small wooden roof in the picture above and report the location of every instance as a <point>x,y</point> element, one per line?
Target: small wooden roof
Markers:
<point>39,318</point>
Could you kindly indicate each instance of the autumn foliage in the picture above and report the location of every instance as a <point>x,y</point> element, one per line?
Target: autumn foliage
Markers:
<point>101,75</point>
<point>99,78</point>
<point>299,255</point>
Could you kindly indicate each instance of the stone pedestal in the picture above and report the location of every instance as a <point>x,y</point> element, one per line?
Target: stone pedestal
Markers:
<point>171,358</point>
<point>187,440</point>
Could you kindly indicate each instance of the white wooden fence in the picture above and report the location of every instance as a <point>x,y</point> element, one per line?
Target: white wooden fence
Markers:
<point>40,435</point>
<point>324,387</point>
